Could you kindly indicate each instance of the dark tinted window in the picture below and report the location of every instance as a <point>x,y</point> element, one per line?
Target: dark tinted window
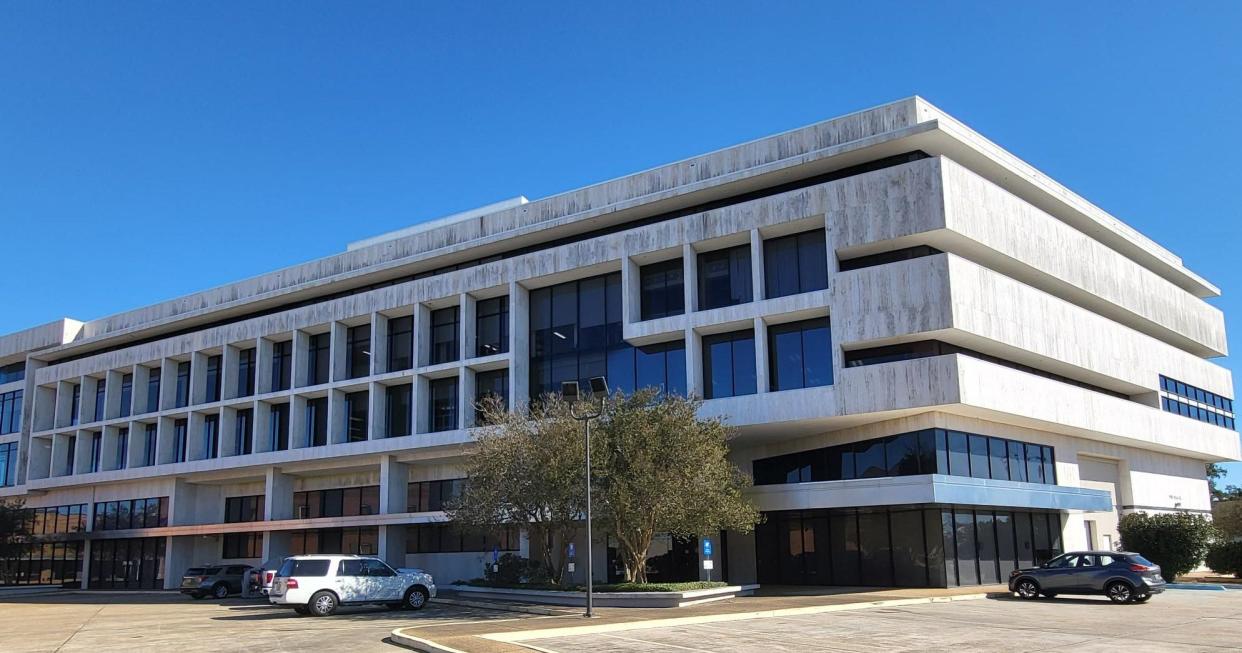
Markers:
<point>491,326</point>
<point>400,343</point>
<point>318,361</point>
<point>795,264</point>
<point>662,289</point>
<point>800,354</point>
<point>356,416</point>
<point>317,422</point>
<point>282,365</point>
<point>397,406</point>
<point>443,404</point>
<point>729,364</point>
<point>445,343</point>
<point>725,277</point>
<point>303,568</point>
<point>213,378</point>
<point>245,372</point>
<point>358,351</point>
<point>494,383</point>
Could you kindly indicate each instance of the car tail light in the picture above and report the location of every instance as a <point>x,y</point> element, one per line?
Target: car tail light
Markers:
<point>292,583</point>
<point>267,577</point>
<point>1134,566</point>
<point>202,579</point>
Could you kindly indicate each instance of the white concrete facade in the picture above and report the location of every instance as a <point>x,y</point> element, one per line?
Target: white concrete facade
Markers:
<point>1069,319</point>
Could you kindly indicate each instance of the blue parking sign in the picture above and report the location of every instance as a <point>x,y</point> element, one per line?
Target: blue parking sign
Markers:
<point>707,547</point>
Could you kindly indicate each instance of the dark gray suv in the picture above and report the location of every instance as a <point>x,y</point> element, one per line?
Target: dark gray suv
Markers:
<point>215,580</point>
<point>1121,576</point>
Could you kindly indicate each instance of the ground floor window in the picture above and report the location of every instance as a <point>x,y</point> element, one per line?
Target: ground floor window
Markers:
<point>359,541</point>
<point>235,546</point>
<point>908,546</point>
<point>45,563</point>
<point>669,560</point>
<point>445,537</point>
<point>134,563</point>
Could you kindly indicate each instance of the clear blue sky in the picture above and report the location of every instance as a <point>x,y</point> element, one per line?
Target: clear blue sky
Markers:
<point>152,149</point>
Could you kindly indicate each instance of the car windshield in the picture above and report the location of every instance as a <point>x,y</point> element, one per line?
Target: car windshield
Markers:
<point>303,568</point>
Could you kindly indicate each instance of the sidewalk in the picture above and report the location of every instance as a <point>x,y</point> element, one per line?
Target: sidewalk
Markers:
<point>500,636</point>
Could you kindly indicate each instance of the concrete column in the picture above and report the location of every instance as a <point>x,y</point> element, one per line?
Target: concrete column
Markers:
<point>422,335</point>
<point>142,378</point>
<point>86,561</point>
<point>112,395</point>
<point>690,267</point>
<point>298,436</point>
<point>762,383</point>
<point>277,545</point>
<point>465,398</point>
<point>195,445</point>
<point>301,357</point>
<point>278,496</point>
<point>263,366</point>
<point>182,503</point>
<point>519,345</point>
<point>419,405</point>
<point>337,357</point>
<point>168,383</point>
<point>198,377</point>
<point>756,264</point>
<point>379,343</point>
<point>466,331</point>
<point>694,363</point>
<point>376,395</point>
<point>337,419</point>
<point>82,458</point>
<point>631,291</point>
<point>179,556</point>
<point>392,542</point>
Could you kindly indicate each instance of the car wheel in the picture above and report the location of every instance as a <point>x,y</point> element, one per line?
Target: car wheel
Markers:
<point>220,591</point>
<point>1119,592</point>
<point>415,598</point>
<point>1027,589</point>
<point>322,604</point>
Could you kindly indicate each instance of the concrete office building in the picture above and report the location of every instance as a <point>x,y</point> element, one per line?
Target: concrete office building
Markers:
<point>940,362</point>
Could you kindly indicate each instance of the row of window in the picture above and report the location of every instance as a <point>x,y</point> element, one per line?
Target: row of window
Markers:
<point>50,563</point>
<point>131,513</point>
<point>10,412</point>
<point>1193,393</point>
<point>54,520</point>
<point>340,502</point>
<point>426,496</point>
<point>363,540</point>
<point>450,538</point>
<point>241,545</point>
<point>13,372</point>
<point>136,563</point>
<point>929,451</point>
<point>906,547</point>
<point>243,509</point>
<point>8,464</point>
<point>1196,412</point>
<point>799,356</point>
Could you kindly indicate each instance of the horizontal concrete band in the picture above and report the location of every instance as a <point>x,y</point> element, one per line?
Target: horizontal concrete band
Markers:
<point>927,489</point>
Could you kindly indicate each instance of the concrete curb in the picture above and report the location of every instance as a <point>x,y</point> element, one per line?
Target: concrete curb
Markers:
<point>419,644</point>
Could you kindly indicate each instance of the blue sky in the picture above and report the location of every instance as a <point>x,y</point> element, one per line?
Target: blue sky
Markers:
<point>148,150</point>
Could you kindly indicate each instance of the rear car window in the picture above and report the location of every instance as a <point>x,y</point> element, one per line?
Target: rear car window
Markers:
<point>210,571</point>
<point>1141,560</point>
<point>194,571</point>
<point>303,568</point>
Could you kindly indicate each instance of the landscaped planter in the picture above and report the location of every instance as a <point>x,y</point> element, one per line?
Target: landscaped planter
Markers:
<point>604,599</point>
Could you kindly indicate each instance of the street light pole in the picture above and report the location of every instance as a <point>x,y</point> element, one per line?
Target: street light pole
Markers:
<point>599,390</point>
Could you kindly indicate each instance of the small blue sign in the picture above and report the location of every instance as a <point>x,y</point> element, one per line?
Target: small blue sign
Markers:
<point>572,553</point>
<point>495,554</point>
<point>707,547</point>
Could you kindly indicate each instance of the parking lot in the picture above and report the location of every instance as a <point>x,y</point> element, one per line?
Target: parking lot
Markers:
<point>1175,621</point>
<point>133,623</point>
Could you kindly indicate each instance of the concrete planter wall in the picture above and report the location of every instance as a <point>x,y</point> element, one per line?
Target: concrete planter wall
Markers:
<point>604,599</point>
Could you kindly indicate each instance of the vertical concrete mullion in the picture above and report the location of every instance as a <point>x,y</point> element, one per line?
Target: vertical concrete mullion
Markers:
<point>379,343</point>
<point>631,291</point>
<point>694,363</point>
<point>762,382</point>
<point>336,357</point>
<point>756,265</point>
<point>690,277</point>
<point>301,358</point>
<point>263,365</point>
<point>465,398</point>
<point>519,344</point>
<point>466,330</point>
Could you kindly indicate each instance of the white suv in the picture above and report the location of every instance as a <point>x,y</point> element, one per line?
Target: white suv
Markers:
<point>318,584</point>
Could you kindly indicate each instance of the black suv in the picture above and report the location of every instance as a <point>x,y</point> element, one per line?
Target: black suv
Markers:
<point>1121,576</point>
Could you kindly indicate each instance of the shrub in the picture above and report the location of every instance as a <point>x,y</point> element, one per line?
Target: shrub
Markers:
<point>1175,541</point>
<point>1225,558</point>
<point>513,569</point>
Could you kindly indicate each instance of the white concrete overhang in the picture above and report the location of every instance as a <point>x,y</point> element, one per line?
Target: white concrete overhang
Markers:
<point>932,131</point>
<point>926,489</point>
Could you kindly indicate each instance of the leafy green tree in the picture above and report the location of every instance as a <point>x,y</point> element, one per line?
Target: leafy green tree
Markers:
<point>1225,558</point>
<point>661,469</point>
<point>527,469</point>
<point>14,537</point>
<point>1175,541</point>
<point>1227,516</point>
<point>1215,472</point>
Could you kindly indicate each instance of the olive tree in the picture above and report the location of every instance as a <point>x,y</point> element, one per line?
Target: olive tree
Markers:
<point>527,469</point>
<point>661,469</point>
<point>14,537</point>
